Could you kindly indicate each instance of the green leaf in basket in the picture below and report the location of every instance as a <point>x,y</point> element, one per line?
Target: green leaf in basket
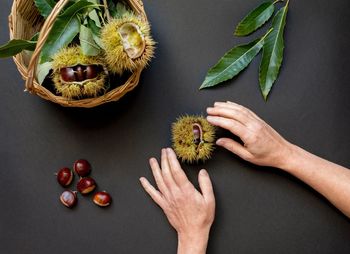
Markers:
<point>14,47</point>
<point>45,6</point>
<point>272,52</point>
<point>43,70</point>
<point>96,31</point>
<point>87,42</point>
<point>121,10</point>
<point>255,19</point>
<point>233,62</point>
<point>65,28</point>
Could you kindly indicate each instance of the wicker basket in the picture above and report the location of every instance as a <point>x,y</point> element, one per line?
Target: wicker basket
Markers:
<point>25,21</point>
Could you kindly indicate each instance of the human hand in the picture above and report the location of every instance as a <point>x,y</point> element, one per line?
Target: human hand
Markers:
<point>189,211</point>
<point>262,145</point>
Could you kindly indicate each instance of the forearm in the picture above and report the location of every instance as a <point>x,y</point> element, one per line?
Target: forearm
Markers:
<point>192,244</point>
<point>329,179</point>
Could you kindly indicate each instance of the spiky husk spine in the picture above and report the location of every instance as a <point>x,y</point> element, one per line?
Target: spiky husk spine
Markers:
<point>116,58</point>
<point>72,56</point>
<point>183,139</point>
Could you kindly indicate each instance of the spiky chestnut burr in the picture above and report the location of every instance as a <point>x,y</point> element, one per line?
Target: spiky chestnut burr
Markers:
<point>127,43</point>
<point>193,138</point>
<point>76,75</point>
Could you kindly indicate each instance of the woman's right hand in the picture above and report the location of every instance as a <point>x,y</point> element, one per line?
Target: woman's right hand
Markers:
<point>262,145</point>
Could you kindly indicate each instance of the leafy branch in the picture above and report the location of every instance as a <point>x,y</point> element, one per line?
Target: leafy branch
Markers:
<point>239,57</point>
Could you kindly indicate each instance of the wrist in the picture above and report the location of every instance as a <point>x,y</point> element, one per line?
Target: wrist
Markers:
<point>291,158</point>
<point>193,243</point>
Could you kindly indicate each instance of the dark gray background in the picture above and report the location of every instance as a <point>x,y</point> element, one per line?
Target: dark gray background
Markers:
<point>259,210</point>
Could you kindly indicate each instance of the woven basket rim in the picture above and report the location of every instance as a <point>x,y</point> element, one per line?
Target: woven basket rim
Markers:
<point>28,71</point>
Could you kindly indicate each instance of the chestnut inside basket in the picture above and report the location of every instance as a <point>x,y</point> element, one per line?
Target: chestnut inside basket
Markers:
<point>25,21</point>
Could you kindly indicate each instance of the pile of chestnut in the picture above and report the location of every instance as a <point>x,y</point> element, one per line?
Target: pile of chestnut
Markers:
<point>85,185</point>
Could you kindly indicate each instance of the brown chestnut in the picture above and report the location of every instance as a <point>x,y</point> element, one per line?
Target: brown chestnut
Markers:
<point>197,133</point>
<point>67,74</point>
<point>91,71</point>
<point>102,198</point>
<point>79,73</point>
<point>69,198</point>
<point>86,185</point>
<point>82,167</point>
<point>65,177</point>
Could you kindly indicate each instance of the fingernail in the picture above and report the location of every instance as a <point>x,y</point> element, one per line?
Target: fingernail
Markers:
<point>209,109</point>
<point>210,118</point>
<point>141,179</point>
<point>203,172</point>
<point>219,142</point>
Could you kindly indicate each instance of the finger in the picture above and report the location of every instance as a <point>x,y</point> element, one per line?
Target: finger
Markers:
<point>236,105</point>
<point>157,174</point>
<point>206,186</point>
<point>154,194</point>
<point>176,170</point>
<point>230,113</point>
<point>234,147</point>
<point>167,176</point>
<point>229,124</point>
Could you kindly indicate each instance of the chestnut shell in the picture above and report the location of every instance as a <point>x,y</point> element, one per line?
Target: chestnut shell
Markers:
<point>86,185</point>
<point>82,167</point>
<point>65,177</point>
<point>68,198</point>
<point>102,199</point>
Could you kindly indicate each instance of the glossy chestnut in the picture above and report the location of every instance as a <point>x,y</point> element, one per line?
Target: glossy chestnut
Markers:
<point>86,185</point>
<point>65,177</point>
<point>197,133</point>
<point>82,167</point>
<point>68,74</point>
<point>79,73</point>
<point>91,71</point>
<point>102,198</point>
<point>69,198</point>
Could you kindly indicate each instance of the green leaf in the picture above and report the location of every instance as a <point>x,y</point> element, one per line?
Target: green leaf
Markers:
<point>233,62</point>
<point>96,32</point>
<point>255,19</point>
<point>272,52</point>
<point>45,7</point>
<point>43,70</point>
<point>121,10</point>
<point>87,42</point>
<point>14,47</point>
<point>94,16</point>
<point>35,37</point>
<point>66,27</point>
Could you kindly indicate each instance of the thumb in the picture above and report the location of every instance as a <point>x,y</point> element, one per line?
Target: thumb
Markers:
<point>234,147</point>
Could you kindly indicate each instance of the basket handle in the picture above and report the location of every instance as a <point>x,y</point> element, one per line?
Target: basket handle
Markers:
<point>44,33</point>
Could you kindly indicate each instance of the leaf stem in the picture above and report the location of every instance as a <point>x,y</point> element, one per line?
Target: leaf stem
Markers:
<point>107,13</point>
<point>275,2</point>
